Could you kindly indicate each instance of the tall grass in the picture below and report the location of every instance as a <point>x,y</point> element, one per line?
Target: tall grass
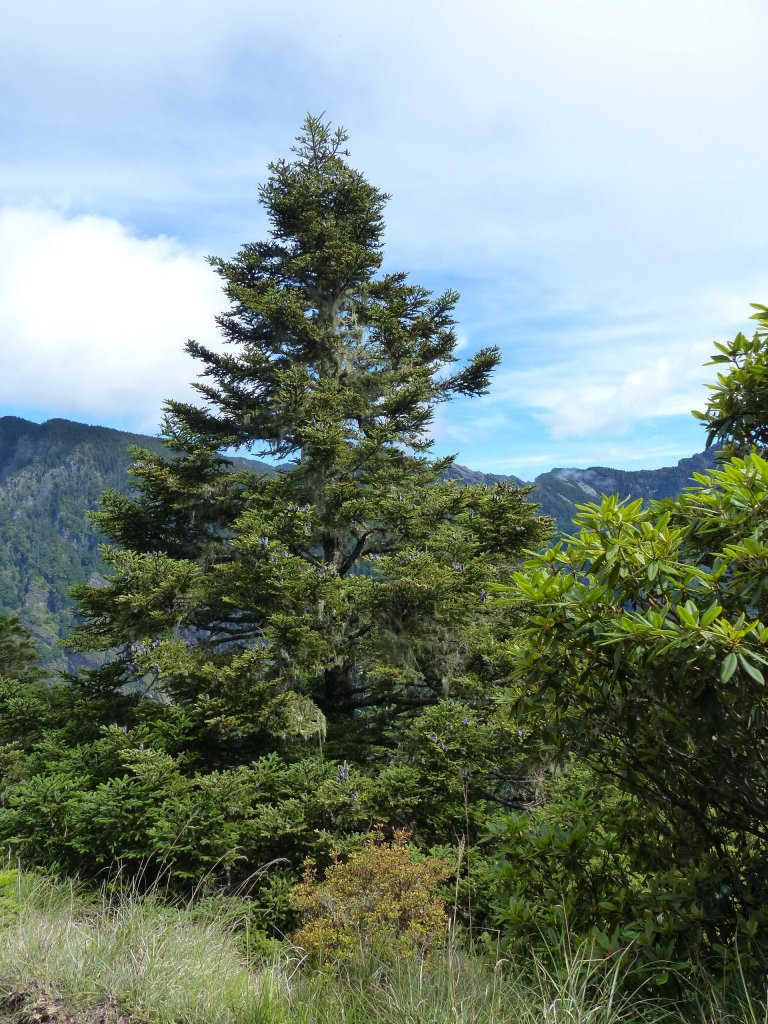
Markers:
<point>68,955</point>
<point>464,989</point>
<point>148,960</point>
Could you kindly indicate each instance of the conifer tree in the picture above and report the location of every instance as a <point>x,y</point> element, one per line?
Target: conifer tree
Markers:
<point>18,657</point>
<point>340,588</point>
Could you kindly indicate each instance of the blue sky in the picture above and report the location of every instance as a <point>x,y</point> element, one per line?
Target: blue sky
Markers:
<point>589,174</point>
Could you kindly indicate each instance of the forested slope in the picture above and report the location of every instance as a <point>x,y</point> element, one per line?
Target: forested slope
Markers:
<point>50,474</point>
<point>561,490</point>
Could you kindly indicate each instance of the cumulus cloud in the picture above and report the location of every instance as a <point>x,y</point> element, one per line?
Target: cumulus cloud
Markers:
<point>93,319</point>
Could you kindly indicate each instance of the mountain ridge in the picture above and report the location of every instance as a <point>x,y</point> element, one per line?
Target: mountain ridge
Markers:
<point>559,490</point>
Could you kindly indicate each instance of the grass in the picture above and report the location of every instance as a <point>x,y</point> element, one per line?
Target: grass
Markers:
<point>67,956</point>
<point>131,956</point>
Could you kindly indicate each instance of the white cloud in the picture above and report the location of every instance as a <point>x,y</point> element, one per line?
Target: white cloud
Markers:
<point>596,397</point>
<point>625,369</point>
<point>93,319</point>
<point>638,455</point>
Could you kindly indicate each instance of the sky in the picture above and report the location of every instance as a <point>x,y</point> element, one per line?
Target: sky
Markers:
<point>590,175</point>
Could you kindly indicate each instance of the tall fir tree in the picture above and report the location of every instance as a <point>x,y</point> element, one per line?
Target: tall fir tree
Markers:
<point>18,657</point>
<point>337,592</point>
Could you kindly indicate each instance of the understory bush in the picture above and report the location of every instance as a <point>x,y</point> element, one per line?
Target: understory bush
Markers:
<point>382,901</point>
<point>592,863</point>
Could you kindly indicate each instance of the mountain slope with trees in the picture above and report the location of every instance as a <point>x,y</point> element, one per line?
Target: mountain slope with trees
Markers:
<point>51,474</point>
<point>560,490</point>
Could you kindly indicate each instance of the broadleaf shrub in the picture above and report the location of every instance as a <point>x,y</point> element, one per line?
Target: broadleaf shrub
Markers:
<point>645,660</point>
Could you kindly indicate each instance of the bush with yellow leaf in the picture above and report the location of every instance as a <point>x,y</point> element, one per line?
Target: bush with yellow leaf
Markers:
<point>381,900</point>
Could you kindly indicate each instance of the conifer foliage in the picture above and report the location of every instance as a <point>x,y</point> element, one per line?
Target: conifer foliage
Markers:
<point>338,589</point>
<point>18,657</point>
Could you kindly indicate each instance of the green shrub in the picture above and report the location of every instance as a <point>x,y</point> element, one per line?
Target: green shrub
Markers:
<point>9,879</point>
<point>381,900</point>
<point>645,659</point>
<point>592,863</point>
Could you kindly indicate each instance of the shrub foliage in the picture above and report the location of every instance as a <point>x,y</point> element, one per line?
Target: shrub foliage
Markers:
<point>382,900</point>
<point>645,660</point>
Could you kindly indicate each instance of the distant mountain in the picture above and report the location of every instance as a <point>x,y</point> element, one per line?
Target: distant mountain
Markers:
<point>473,476</point>
<point>51,473</point>
<point>559,491</point>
